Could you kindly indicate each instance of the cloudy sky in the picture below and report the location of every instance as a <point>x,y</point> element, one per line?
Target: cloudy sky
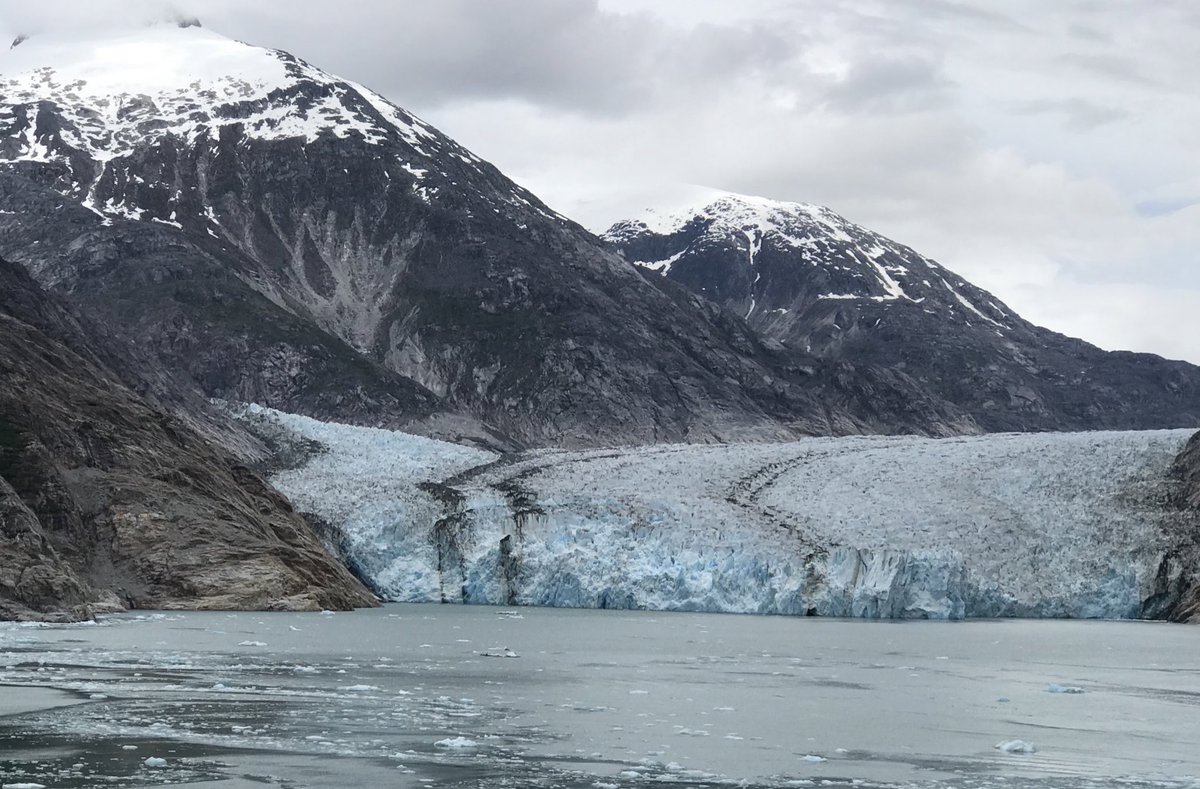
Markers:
<point>1047,151</point>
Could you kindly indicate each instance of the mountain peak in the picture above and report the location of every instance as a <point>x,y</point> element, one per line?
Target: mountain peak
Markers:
<point>147,61</point>
<point>118,89</point>
<point>722,211</point>
<point>771,261</point>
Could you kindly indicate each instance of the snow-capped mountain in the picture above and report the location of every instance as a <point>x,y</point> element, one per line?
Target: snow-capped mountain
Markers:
<point>112,98</point>
<point>807,277</point>
<point>772,261</point>
<point>290,237</point>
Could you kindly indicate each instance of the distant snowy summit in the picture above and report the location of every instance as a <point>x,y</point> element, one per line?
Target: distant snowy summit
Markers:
<point>768,259</point>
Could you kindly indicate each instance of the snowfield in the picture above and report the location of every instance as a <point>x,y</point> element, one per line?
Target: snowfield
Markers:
<point>1044,525</point>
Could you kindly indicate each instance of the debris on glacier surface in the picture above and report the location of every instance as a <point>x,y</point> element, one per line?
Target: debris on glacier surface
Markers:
<point>1054,687</point>
<point>1032,525</point>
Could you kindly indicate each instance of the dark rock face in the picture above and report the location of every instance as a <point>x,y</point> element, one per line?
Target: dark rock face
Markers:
<point>185,305</point>
<point>109,502</point>
<point>1187,469</point>
<point>817,283</point>
<point>35,582</point>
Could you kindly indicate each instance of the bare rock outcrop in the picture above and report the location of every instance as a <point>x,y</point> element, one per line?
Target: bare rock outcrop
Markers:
<point>107,501</point>
<point>1187,469</point>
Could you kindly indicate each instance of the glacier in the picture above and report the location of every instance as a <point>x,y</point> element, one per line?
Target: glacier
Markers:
<point>1003,525</point>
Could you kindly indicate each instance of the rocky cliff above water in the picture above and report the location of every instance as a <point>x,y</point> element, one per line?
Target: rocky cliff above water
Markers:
<point>106,501</point>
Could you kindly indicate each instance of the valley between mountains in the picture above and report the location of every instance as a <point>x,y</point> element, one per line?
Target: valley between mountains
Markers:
<point>268,340</point>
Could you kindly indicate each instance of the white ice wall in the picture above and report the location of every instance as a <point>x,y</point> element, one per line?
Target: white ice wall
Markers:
<point>1004,525</point>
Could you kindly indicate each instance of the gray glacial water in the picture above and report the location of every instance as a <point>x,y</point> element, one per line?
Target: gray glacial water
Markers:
<point>402,696</point>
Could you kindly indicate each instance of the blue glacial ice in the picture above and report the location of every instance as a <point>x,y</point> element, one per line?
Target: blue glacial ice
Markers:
<point>1042,525</point>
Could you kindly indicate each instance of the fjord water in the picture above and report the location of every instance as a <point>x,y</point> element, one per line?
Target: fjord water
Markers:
<point>404,696</point>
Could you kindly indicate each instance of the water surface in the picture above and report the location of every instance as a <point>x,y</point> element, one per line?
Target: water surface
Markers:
<point>403,696</point>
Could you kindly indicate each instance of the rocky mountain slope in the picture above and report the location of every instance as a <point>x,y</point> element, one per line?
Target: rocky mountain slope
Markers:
<point>806,277</point>
<point>287,237</point>
<point>1187,468</point>
<point>106,501</point>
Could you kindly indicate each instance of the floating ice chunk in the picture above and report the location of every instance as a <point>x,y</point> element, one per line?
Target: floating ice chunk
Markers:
<point>1003,700</point>
<point>252,643</point>
<point>24,786</point>
<point>813,759</point>
<point>638,692</point>
<point>129,747</point>
<point>155,762</point>
<point>97,697</point>
<point>499,652</point>
<point>1016,746</point>
<point>361,688</point>
<point>1054,687</point>
<point>456,742</point>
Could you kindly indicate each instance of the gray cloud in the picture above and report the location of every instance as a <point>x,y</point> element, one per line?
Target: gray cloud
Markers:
<point>565,54</point>
<point>891,83</point>
<point>1078,114</point>
<point>1110,67</point>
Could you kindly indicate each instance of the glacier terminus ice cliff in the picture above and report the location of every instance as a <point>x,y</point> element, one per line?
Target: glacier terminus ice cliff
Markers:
<point>1032,525</point>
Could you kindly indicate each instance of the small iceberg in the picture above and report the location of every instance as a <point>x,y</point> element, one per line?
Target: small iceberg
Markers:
<point>1016,746</point>
<point>456,742</point>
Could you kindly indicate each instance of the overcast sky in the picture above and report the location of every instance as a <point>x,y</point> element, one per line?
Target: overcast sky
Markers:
<point>1047,151</point>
